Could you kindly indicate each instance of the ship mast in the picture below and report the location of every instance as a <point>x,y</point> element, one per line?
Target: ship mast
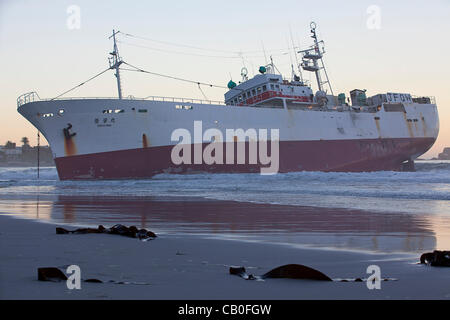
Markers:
<point>115,61</point>
<point>296,58</point>
<point>311,58</point>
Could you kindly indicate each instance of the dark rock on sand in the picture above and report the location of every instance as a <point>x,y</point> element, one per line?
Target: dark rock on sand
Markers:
<point>436,258</point>
<point>145,234</point>
<point>289,271</point>
<point>51,274</point>
<point>62,231</point>
<point>100,229</point>
<point>241,272</point>
<point>296,271</point>
<point>119,229</point>
<point>93,280</point>
<point>122,230</point>
<point>131,232</point>
<point>237,270</point>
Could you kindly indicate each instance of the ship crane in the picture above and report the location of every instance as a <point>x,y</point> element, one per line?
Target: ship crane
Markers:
<point>311,58</point>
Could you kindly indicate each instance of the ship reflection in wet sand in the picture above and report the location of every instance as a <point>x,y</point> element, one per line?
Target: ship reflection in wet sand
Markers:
<point>293,225</point>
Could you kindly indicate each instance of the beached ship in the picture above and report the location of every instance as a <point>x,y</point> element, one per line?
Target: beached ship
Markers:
<point>114,138</point>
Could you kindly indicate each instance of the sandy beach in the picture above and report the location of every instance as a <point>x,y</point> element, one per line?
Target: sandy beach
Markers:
<point>192,267</point>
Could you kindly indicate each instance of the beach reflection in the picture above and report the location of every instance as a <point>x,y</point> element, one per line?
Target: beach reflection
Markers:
<point>295,225</point>
<point>348,229</point>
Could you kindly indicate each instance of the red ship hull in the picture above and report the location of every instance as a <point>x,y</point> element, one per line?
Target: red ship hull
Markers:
<point>331,155</point>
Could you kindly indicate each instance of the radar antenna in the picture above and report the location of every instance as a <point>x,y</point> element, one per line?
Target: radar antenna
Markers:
<point>244,74</point>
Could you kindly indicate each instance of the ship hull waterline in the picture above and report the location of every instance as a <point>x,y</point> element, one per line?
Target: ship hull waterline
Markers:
<point>354,155</point>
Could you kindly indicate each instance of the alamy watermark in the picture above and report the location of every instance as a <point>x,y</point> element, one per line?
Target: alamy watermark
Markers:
<point>73,21</point>
<point>373,21</point>
<point>213,153</point>
<point>74,277</point>
<point>374,280</point>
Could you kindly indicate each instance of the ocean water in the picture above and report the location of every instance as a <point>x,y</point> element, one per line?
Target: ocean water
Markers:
<point>376,211</point>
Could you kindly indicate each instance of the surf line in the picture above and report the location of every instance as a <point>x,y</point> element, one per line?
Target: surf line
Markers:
<point>213,153</point>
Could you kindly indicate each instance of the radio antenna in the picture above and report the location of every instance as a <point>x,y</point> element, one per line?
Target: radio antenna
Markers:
<point>115,61</point>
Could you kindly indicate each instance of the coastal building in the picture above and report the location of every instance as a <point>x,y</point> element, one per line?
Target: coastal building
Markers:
<point>12,155</point>
<point>444,155</point>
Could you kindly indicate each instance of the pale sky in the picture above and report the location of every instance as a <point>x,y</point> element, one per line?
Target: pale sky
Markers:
<point>409,53</point>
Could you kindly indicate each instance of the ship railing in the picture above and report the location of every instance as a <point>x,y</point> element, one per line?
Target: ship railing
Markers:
<point>27,98</point>
<point>33,96</point>
<point>183,100</point>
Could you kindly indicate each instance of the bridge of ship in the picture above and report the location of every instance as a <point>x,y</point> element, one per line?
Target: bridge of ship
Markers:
<point>269,90</point>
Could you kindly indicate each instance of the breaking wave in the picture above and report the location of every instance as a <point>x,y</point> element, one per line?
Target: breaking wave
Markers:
<point>416,191</point>
<point>26,175</point>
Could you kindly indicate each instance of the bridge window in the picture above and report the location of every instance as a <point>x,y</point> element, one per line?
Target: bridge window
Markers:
<point>258,90</point>
<point>264,88</point>
<point>272,87</point>
<point>254,92</point>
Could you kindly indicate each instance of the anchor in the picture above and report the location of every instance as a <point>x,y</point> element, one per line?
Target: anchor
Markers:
<point>67,132</point>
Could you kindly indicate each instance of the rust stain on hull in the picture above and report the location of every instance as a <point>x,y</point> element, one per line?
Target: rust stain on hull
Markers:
<point>377,123</point>
<point>424,125</point>
<point>70,149</point>
<point>144,141</point>
<point>408,124</point>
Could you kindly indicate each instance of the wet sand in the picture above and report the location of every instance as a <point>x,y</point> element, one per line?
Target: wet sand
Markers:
<point>194,267</point>
<point>348,229</point>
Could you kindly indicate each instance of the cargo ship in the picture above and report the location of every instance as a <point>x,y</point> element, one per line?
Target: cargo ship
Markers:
<point>131,138</point>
